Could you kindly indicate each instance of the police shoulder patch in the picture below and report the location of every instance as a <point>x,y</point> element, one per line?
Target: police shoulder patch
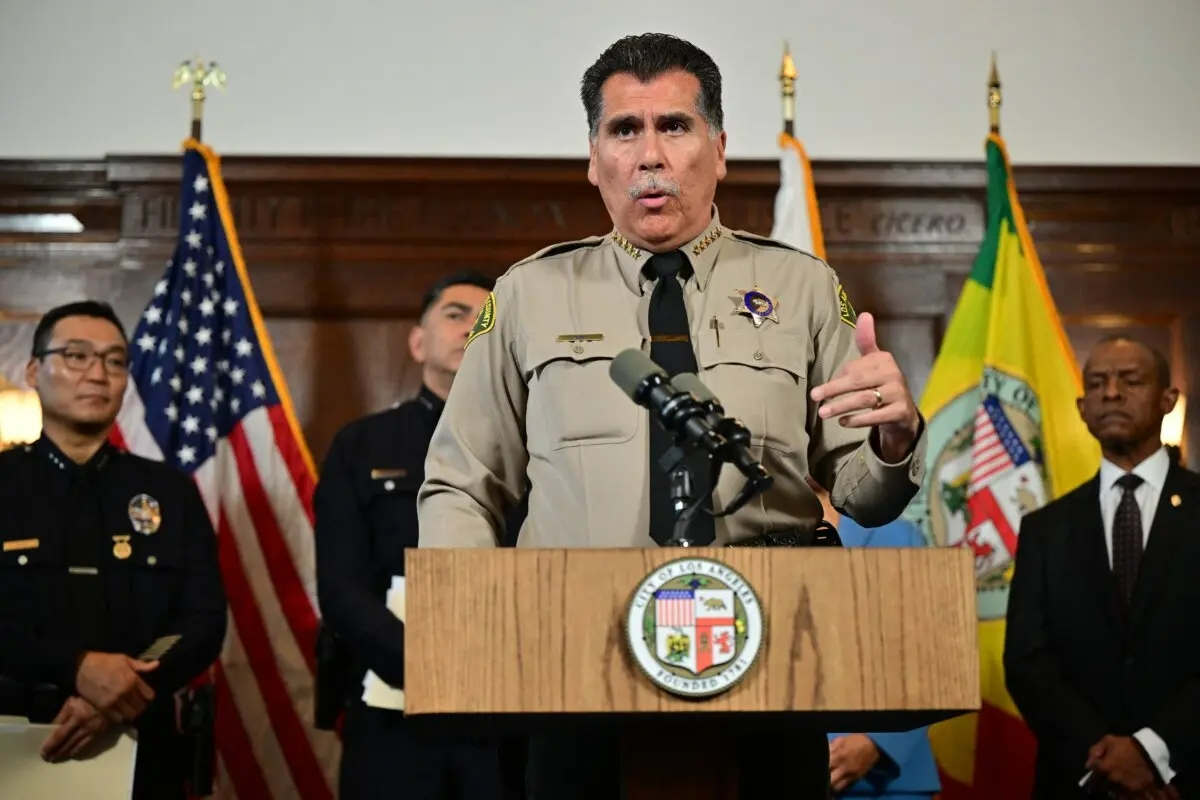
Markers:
<point>847,311</point>
<point>485,320</point>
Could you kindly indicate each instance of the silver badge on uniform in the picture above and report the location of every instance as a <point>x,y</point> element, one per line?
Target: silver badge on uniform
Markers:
<point>145,514</point>
<point>756,304</point>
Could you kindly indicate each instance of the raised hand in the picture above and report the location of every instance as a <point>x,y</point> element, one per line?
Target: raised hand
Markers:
<point>871,392</point>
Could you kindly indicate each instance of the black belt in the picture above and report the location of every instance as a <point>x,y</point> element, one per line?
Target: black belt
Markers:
<point>823,535</point>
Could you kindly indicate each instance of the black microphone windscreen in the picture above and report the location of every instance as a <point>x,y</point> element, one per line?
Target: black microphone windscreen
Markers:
<point>630,368</point>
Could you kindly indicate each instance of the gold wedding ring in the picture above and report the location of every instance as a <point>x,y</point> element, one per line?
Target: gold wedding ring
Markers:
<point>878,397</point>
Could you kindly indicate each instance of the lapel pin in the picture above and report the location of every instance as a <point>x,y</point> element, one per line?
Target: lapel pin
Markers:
<point>1175,501</point>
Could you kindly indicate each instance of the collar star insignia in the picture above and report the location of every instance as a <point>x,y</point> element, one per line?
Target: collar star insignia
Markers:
<point>756,304</point>
<point>710,237</point>
<point>626,245</point>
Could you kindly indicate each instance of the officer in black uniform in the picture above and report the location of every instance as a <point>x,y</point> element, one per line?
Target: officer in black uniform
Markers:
<point>366,516</point>
<point>105,556</point>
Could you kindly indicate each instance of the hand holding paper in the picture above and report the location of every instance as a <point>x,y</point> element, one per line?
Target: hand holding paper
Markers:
<point>376,693</point>
<point>79,725</point>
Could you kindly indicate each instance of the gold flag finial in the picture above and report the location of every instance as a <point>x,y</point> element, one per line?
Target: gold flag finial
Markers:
<point>994,96</point>
<point>787,83</point>
<point>201,76</point>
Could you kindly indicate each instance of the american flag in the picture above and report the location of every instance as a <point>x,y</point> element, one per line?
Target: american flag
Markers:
<point>206,395</point>
<point>673,607</point>
<point>997,447</point>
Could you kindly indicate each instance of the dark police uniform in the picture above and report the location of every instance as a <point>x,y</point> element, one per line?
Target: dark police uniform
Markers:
<point>106,556</point>
<point>366,516</point>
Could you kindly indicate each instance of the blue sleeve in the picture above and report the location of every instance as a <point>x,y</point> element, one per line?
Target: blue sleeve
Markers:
<point>915,537</point>
<point>895,749</point>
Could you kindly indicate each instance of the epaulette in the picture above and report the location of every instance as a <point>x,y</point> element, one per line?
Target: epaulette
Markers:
<point>561,248</point>
<point>752,238</point>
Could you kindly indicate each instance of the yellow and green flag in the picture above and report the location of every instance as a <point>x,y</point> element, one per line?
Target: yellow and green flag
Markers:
<point>1004,439</point>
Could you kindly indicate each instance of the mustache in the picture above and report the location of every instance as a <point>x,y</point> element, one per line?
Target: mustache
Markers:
<point>653,183</point>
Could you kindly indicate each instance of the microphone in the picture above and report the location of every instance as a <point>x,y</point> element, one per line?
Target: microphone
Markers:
<point>736,436</point>
<point>686,408</point>
<point>647,384</point>
<point>730,428</point>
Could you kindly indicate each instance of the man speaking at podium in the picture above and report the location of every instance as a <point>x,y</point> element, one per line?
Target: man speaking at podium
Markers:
<point>768,329</point>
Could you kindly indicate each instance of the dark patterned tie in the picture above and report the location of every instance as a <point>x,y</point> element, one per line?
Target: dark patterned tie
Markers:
<point>1127,538</point>
<point>671,349</point>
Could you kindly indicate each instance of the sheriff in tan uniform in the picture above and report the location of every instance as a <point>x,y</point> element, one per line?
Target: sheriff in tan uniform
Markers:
<point>534,397</point>
<point>768,330</point>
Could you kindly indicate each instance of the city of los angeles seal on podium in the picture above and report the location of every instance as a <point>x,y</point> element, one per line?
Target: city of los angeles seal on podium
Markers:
<point>694,627</point>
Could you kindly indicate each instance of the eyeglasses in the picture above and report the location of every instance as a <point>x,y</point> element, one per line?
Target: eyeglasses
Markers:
<point>78,358</point>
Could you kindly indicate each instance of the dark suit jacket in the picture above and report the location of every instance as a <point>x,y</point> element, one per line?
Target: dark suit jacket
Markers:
<point>1079,667</point>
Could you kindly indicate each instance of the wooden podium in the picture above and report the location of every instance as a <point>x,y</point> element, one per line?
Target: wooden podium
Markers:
<point>858,639</point>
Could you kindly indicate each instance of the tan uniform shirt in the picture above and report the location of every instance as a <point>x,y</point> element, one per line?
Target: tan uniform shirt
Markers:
<point>534,397</point>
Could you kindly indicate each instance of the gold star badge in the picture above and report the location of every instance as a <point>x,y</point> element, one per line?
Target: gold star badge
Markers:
<point>756,304</point>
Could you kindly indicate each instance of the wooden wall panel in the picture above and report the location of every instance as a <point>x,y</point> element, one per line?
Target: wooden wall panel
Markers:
<point>341,249</point>
<point>335,364</point>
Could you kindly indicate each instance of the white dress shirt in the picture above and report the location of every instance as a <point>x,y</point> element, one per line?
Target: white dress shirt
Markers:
<point>1153,472</point>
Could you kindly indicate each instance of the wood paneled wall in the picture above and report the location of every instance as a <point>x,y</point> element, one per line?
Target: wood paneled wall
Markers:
<point>341,249</point>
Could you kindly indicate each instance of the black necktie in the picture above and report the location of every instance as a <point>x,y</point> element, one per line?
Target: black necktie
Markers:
<point>1127,538</point>
<point>671,349</point>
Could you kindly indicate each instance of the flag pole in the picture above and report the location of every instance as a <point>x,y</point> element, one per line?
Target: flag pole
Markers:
<point>201,76</point>
<point>993,96</point>
<point>787,83</point>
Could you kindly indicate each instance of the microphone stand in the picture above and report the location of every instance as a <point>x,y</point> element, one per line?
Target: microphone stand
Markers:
<point>684,498</point>
<point>683,495</point>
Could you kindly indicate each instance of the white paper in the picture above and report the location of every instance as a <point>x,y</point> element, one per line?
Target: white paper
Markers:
<point>377,693</point>
<point>106,774</point>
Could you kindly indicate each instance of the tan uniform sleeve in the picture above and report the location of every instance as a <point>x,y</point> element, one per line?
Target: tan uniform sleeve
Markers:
<point>844,460</point>
<point>475,467</point>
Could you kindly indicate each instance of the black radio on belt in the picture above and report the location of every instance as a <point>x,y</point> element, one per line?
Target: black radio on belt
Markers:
<point>197,716</point>
<point>333,678</point>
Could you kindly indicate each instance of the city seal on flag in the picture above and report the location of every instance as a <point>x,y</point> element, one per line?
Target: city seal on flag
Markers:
<point>987,470</point>
<point>695,627</point>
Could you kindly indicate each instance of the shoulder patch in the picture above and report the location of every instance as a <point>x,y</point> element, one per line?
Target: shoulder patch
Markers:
<point>847,311</point>
<point>485,320</point>
<point>764,241</point>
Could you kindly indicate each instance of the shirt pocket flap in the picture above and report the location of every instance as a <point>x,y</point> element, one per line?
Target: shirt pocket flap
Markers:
<point>377,481</point>
<point>154,552</point>
<point>757,350</point>
<point>544,349</point>
<point>573,400</point>
<point>761,377</point>
<point>20,551</point>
